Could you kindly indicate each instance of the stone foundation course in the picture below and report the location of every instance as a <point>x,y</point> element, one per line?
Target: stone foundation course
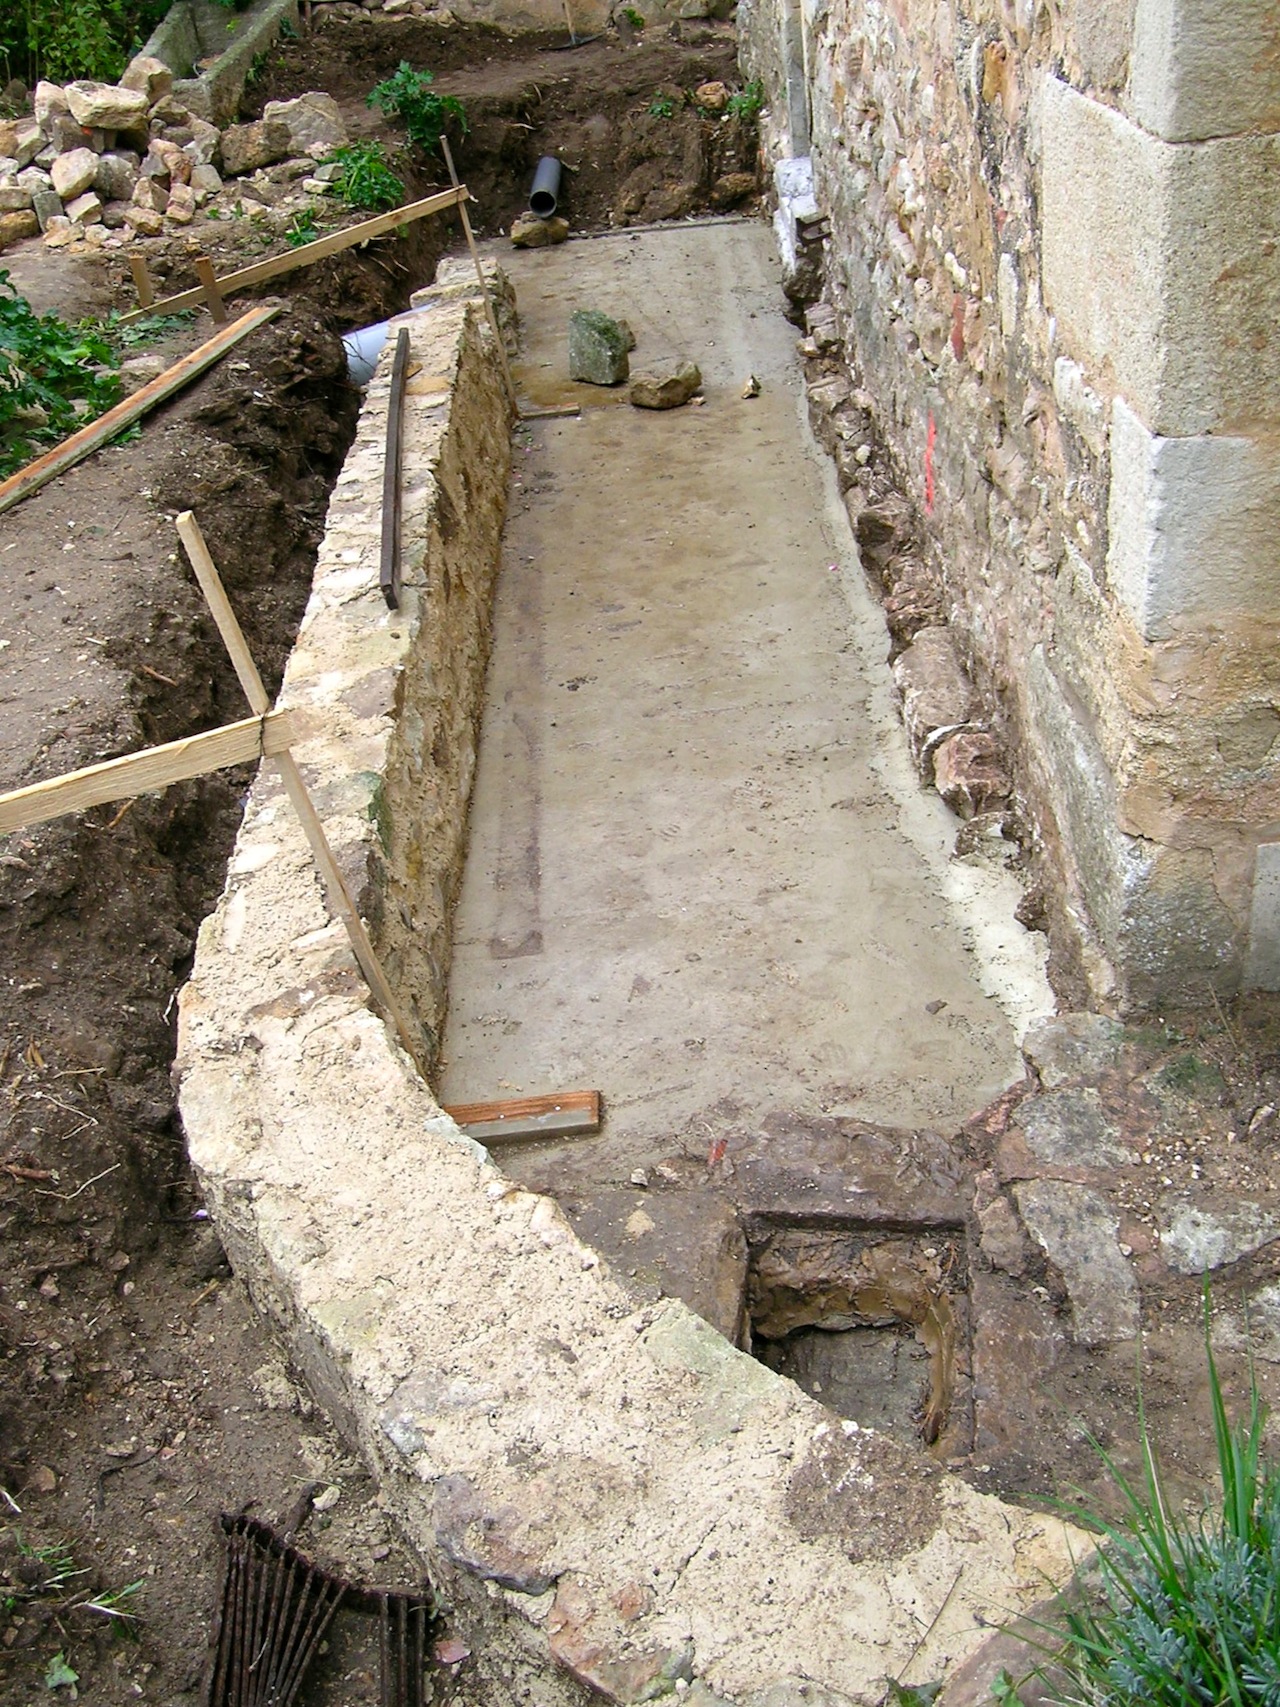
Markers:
<point>612,1499</point>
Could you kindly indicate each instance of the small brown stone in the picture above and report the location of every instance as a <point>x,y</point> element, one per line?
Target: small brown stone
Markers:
<point>969,773</point>
<point>15,226</point>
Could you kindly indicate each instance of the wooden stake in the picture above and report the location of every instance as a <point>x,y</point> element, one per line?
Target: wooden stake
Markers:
<point>333,244</point>
<point>64,456</point>
<point>484,288</point>
<point>568,1113</point>
<point>389,572</point>
<point>209,285</point>
<point>142,280</point>
<point>151,769</point>
<point>340,899</point>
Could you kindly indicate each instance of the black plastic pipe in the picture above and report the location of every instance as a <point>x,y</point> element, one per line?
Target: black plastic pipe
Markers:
<point>544,195</point>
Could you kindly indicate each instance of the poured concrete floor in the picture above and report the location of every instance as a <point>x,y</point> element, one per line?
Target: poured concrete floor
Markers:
<point>703,878</point>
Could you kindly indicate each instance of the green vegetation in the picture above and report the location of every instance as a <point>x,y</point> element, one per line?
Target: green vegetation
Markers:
<point>301,229</point>
<point>367,180</point>
<point>1185,1609</point>
<point>634,18</point>
<point>662,107</point>
<point>64,39</point>
<point>53,378</point>
<point>407,96</point>
<point>747,103</point>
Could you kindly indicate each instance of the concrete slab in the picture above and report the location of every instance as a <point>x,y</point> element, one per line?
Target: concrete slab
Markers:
<point>689,883</point>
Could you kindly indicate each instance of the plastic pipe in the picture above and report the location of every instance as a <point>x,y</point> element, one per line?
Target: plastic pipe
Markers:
<point>544,195</point>
<point>363,348</point>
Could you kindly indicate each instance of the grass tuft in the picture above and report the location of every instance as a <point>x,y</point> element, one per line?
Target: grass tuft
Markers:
<point>1186,1609</point>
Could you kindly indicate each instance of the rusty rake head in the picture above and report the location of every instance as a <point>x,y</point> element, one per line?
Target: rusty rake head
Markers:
<point>276,1608</point>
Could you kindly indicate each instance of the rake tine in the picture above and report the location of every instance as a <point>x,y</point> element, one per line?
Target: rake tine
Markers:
<point>321,1618</point>
<point>226,1620</point>
<point>384,1652</point>
<point>292,1598</point>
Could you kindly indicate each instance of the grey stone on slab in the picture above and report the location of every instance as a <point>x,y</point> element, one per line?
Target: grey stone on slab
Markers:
<point>1077,1230</point>
<point>1196,1241</point>
<point>1071,1127</point>
<point>1072,1046</point>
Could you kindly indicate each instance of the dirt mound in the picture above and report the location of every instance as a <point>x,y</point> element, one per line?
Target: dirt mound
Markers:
<point>621,118</point>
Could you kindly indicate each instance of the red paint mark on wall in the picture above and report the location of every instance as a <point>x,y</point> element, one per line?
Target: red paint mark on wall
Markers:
<point>957,326</point>
<point>931,439</point>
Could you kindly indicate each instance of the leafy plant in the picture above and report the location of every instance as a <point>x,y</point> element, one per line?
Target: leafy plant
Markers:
<point>301,229</point>
<point>367,180</point>
<point>137,334</point>
<point>661,107</point>
<point>407,95</point>
<point>1187,1609</point>
<point>59,1675</point>
<point>53,377</point>
<point>63,39</point>
<point>748,102</point>
<point>634,18</point>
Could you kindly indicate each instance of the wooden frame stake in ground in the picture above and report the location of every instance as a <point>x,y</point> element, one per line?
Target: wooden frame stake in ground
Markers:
<point>340,899</point>
<point>212,289</point>
<point>64,456</point>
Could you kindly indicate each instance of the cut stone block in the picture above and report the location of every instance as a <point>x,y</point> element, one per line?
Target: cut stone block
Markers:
<point>1161,262</point>
<point>1201,68</point>
<point>46,205</point>
<point>597,348</point>
<point>1192,525</point>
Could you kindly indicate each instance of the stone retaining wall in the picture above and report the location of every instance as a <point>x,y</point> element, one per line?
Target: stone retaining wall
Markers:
<point>613,1499</point>
<point>1054,255</point>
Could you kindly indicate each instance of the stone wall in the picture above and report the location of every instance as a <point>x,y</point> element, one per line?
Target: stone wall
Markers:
<point>612,1499</point>
<point>1055,261</point>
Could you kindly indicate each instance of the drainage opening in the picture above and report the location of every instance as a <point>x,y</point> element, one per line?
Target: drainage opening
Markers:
<point>873,1326</point>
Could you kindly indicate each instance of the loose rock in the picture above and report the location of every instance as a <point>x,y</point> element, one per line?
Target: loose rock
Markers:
<point>152,76</point>
<point>969,773</point>
<point>15,226</point>
<point>530,232</point>
<point>85,209</point>
<point>46,205</point>
<point>106,106</point>
<point>712,97</point>
<point>936,692</point>
<point>666,391</point>
<point>312,120</point>
<point>73,173</point>
<point>246,147</point>
<point>1077,1231</point>
<point>116,177</point>
<point>597,348</point>
<point>732,188</point>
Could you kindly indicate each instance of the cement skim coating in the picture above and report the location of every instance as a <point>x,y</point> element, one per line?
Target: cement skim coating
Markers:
<point>703,876</point>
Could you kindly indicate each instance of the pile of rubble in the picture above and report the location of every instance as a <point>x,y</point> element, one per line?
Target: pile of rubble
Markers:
<point>104,163</point>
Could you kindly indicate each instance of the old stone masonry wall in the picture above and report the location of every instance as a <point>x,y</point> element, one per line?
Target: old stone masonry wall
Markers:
<point>1053,260</point>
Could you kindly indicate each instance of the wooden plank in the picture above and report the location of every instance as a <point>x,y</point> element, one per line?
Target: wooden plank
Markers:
<point>151,769</point>
<point>309,253</point>
<point>209,285</point>
<point>142,280</point>
<point>64,456</point>
<point>553,412</point>
<point>335,885</point>
<point>389,568</point>
<point>565,1114</point>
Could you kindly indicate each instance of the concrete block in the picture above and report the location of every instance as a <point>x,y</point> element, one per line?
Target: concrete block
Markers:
<point>1101,34</point>
<point>1162,264</point>
<point>1192,525</point>
<point>1202,69</point>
